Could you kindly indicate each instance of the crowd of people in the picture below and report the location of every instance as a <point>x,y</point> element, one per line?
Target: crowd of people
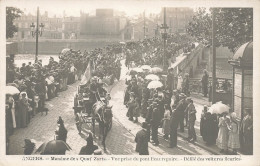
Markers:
<point>37,83</point>
<point>171,110</point>
<point>168,106</point>
<point>149,51</point>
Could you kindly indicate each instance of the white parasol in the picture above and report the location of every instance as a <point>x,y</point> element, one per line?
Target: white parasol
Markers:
<point>138,70</point>
<point>146,67</point>
<point>152,77</point>
<point>154,85</point>
<point>64,51</point>
<point>11,90</point>
<point>156,70</point>
<point>219,108</point>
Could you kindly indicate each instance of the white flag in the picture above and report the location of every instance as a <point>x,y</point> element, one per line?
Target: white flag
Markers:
<point>87,75</point>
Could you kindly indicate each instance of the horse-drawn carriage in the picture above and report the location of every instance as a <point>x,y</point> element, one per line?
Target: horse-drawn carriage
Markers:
<point>88,111</point>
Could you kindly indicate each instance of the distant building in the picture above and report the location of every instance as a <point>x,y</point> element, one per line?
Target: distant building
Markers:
<point>52,26</point>
<point>70,27</point>
<point>103,25</point>
<point>141,28</point>
<point>177,18</point>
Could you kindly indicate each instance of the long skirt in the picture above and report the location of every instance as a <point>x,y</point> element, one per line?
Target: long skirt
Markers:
<point>166,127</point>
<point>222,141</point>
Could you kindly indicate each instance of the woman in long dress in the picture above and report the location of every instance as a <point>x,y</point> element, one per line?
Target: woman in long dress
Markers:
<point>166,121</point>
<point>23,110</point>
<point>233,140</point>
<point>222,140</point>
<point>202,122</point>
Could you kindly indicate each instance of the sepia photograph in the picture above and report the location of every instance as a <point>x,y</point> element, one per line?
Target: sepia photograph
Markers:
<point>128,78</point>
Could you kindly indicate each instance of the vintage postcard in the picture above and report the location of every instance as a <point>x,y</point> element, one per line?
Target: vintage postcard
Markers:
<point>129,82</point>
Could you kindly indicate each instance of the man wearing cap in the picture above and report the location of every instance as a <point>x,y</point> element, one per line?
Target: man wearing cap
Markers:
<point>141,140</point>
<point>180,111</point>
<point>191,112</point>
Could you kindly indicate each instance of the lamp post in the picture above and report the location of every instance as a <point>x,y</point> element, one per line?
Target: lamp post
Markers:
<point>213,56</point>
<point>164,28</point>
<point>36,32</point>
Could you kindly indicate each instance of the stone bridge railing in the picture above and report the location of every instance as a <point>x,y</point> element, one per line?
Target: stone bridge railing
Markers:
<point>188,62</point>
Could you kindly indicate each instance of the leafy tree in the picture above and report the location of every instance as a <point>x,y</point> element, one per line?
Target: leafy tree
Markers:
<point>234,26</point>
<point>11,14</point>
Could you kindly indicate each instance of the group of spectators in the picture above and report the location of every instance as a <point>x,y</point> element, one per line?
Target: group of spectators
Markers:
<point>166,107</point>
<point>38,83</point>
<point>173,109</point>
<point>150,51</point>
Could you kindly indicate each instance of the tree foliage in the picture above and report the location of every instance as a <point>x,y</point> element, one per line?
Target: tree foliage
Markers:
<point>11,14</point>
<point>234,26</point>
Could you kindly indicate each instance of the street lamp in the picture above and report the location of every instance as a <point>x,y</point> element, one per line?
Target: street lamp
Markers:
<point>36,32</point>
<point>164,28</point>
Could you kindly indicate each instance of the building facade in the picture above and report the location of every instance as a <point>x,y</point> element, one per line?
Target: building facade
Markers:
<point>70,27</point>
<point>103,25</point>
<point>52,26</point>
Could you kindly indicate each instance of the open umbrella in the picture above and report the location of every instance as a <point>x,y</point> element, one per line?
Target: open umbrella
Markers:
<point>11,90</point>
<point>218,108</point>
<point>152,77</point>
<point>157,70</point>
<point>154,85</point>
<point>146,67</point>
<point>64,51</point>
<point>54,147</point>
<point>13,84</point>
<point>138,70</point>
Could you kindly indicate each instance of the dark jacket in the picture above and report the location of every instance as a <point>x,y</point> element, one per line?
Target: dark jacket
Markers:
<point>156,117</point>
<point>88,149</point>
<point>174,121</point>
<point>142,142</point>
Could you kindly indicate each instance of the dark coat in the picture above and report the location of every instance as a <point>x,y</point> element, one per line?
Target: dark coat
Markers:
<point>142,142</point>
<point>174,121</point>
<point>62,133</point>
<point>156,117</point>
<point>88,150</point>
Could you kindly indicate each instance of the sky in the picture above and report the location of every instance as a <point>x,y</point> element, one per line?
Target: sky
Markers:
<point>73,8</point>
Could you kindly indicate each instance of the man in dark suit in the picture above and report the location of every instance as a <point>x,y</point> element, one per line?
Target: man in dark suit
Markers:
<point>180,110</point>
<point>191,112</point>
<point>141,140</point>
<point>156,120</point>
<point>173,129</point>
